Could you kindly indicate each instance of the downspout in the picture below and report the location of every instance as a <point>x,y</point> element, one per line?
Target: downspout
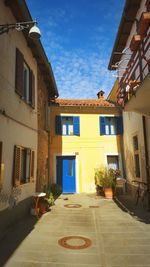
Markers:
<point>146,159</point>
<point>48,131</point>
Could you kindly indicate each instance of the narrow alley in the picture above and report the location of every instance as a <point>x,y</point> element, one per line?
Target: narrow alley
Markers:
<point>81,230</point>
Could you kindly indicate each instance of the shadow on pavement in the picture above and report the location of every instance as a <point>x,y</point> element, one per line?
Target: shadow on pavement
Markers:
<point>14,236</point>
<point>126,203</point>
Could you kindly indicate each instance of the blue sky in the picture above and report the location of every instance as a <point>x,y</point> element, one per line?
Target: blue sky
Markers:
<point>78,37</point>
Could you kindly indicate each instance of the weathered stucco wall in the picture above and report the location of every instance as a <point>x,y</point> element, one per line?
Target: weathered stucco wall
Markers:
<point>42,157</point>
<point>18,123</point>
<point>133,126</point>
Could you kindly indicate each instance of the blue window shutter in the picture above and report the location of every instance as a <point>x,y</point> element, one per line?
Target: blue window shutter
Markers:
<point>58,127</point>
<point>76,125</point>
<point>119,124</point>
<point>102,122</point>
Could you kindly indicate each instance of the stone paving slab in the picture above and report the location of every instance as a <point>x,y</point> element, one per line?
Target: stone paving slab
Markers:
<point>127,260</point>
<point>118,239</point>
<point>51,257</point>
<point>44,264</point>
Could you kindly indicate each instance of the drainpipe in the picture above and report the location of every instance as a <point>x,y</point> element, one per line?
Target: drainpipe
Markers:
<point>48,131</point>
<point>146,159</point>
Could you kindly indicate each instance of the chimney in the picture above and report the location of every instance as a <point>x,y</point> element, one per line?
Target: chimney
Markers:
<point>100,95</point>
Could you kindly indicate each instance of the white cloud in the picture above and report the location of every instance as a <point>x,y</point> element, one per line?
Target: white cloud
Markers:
<point>79,75</point>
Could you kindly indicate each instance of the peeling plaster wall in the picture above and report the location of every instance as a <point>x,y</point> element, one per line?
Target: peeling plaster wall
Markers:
<point>19,127</point>
<point>42,157</point>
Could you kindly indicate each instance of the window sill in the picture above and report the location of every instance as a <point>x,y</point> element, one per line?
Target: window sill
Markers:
<point>29,104</point>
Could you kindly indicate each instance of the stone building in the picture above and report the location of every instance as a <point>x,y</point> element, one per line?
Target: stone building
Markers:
<point>44,95</point>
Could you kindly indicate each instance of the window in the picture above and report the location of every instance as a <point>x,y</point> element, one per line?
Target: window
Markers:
<point>66,125</point>
<point>111,125</point>
<point>25,81</point>
<point>136,156</point>
<point>70,167</point>
<point>113,162</point>
<point>26,85</point>
<point>135,143</point>
<point>23,165</point>
<point>23,177</point>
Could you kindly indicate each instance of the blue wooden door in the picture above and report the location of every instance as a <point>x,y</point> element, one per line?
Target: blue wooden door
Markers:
<point>66,173</point>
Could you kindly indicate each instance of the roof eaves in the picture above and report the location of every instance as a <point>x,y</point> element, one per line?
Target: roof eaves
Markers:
<point>109,105</point>
<point>128,19</point>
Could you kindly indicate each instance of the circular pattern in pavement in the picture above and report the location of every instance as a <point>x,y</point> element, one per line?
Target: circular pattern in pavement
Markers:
<point>72,206</point>
<point>75,242</point>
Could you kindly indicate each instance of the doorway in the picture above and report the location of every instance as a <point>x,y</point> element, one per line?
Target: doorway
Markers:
<point>66,176</point>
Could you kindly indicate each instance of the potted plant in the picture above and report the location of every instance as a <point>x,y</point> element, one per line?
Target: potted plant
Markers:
<point>105,177</point>
<point>99,173</point>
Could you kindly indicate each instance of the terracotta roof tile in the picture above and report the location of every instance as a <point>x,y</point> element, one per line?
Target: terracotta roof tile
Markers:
<point>83,102</point>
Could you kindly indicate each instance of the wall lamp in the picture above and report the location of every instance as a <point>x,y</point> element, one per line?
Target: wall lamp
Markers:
<point>34,31</point>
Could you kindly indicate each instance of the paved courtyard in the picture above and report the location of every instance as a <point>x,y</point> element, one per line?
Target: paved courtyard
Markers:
<point>98,233</point>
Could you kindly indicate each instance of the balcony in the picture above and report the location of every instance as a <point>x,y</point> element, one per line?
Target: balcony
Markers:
<point>140,103</point>
<point>135,74</point>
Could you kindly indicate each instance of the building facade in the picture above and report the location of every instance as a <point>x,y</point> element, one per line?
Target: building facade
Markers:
<point>22,63</point>
<point>131,59</point>
<point>85,134</point>
<point>45,93</point>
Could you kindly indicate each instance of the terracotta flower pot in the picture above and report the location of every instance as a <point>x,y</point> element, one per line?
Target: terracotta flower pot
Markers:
<point>136,39</point>
<point>108,193</point>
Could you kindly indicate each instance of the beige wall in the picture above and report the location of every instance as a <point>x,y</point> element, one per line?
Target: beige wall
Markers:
<point>133,126</point>
<point>14,106</point>
<point>22,129</point>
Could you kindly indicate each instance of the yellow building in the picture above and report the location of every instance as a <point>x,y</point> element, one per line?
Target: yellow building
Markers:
<point>85,134</point>
<point>113,93</point>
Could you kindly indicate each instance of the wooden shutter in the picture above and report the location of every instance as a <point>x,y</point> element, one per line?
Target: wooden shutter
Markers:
<point>119,124</point>
<point>19,88</point>
<point>1,145</point>
<point>32,89</point>
<point>58,125</point>
<point>32,161</point>
<point>17,166</point>
<point>102,123</point>
<point>76,125</point>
